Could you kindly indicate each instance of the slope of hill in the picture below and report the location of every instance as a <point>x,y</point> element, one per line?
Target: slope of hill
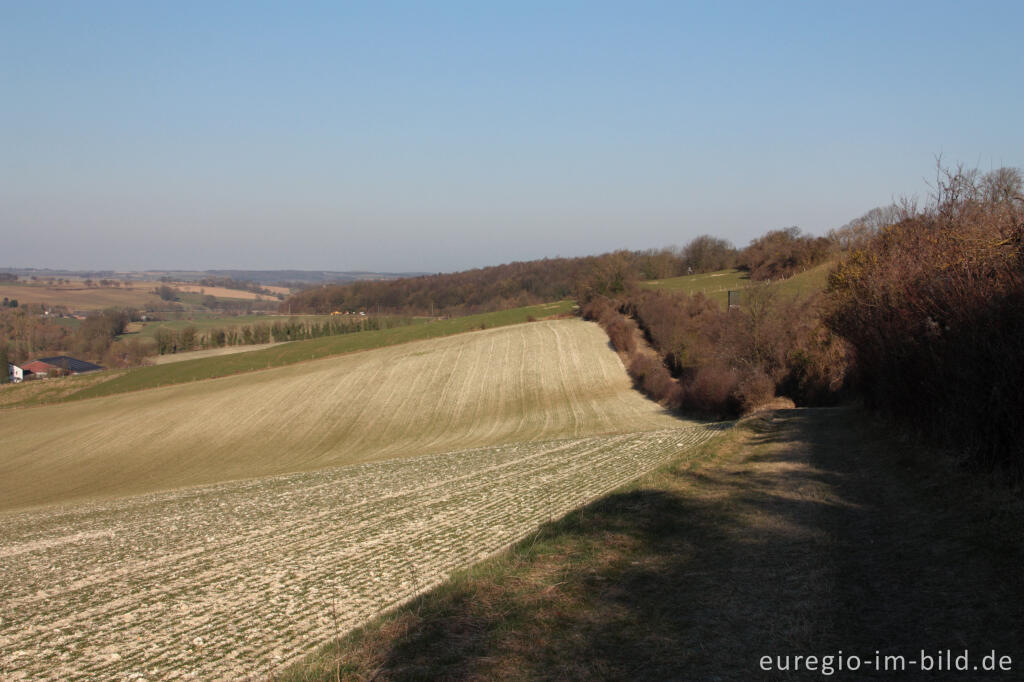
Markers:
<point>524,383</point>
<point>110,383</point>
<point>491,288</point>
<point>800,530</point>
<point>716,285</point>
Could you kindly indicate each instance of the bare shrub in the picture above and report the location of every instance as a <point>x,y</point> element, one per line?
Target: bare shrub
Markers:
<point>752,390</point>
<point>781,253</point>
<point>620,332</point>
<point>655,380</point>
<point>934,309</point>
<point>595,308</point>
<point>713,391</point>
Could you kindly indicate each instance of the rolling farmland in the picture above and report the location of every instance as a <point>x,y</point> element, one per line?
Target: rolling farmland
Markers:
<point>270,355</point>
<point>133,294</point>
<point>530,382</point>
<point>80,297</point>
<point>224,528</point>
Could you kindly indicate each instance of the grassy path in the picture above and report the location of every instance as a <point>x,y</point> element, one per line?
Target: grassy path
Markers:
<point>804,532</point>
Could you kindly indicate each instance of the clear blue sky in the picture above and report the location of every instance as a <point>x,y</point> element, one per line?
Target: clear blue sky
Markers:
<point>441,136</point>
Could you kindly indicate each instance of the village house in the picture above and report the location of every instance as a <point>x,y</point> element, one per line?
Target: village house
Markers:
<point>59,365</point>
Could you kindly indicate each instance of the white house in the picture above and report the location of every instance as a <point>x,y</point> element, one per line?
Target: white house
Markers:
<point>15,372</point>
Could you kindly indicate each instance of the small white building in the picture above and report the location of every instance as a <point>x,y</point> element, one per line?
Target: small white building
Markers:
<point>15,372</point>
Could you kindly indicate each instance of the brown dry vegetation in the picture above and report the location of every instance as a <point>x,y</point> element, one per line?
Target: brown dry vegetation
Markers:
<point>529,382</point>
<point>516,284</point>
<point>806,532</point>
<point>934,309</point>
<point>725,362</point>
<point>783,253</point>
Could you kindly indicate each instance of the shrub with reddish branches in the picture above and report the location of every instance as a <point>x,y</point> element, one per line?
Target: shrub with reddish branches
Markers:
<point>934,308</point>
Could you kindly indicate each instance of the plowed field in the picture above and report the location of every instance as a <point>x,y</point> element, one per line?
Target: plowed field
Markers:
<point>234,580</point>
<point>220,529</point>
<point>529,382</point>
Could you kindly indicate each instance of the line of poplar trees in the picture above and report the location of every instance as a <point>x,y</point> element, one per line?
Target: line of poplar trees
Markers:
<point>190,338</point>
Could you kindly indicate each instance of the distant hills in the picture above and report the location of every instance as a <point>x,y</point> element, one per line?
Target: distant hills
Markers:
<point>259,276</point>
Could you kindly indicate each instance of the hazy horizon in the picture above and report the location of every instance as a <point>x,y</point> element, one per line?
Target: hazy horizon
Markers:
<point>437,138</point>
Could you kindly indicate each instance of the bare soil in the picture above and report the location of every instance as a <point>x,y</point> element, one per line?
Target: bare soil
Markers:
<point>236,580</point>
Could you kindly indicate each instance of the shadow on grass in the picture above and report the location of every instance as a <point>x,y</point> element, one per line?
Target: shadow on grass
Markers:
<point>811,539</point>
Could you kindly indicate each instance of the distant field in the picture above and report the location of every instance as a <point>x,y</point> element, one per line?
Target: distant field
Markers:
<point>285,354</point>
<point>137,294</point>
<point>716,285</point>
<point>69,322</point>
<point>554,379</point>
<point>222,292</point>
<point>80,297</point>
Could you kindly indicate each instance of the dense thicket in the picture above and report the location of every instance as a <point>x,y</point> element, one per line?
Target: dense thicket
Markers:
<point>934,308</point>
<point>725,362</point>
<point>23,334</point>
<point>783,253</point>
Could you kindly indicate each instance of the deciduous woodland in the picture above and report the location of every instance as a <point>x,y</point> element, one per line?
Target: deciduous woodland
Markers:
<point>779,253</point>
<point>923,318</point>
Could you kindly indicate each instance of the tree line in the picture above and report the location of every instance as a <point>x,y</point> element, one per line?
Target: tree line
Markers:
<point>25,334</point>
<point>237,284</point>
<point>190,338</point>
<point>778,254</point>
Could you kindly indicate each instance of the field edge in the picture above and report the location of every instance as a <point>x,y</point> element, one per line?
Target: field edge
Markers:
<point>329,661</point>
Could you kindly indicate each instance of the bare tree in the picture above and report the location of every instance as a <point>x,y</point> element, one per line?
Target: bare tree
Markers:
<point>1003,184</point>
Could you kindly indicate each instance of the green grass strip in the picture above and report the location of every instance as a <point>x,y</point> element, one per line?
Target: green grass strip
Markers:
<point>716,285</point>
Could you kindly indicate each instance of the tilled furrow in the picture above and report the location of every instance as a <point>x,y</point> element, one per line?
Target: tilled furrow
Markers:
<point>241,579</point>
